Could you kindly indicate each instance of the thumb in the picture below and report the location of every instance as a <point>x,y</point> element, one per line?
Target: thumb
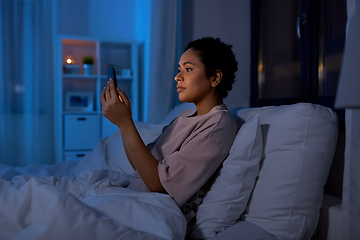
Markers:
<point>122,96</point>
<point>118,91</point>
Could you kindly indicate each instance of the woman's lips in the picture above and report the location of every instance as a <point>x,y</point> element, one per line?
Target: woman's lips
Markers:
<point>180,89</point>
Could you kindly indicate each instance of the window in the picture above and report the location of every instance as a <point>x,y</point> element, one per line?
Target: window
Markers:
<point>297,48</point>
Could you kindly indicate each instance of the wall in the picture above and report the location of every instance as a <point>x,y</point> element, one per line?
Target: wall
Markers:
<point>72,17</point>
<point>102,19</point>
<point>230,21</point>
<point>112,19</point>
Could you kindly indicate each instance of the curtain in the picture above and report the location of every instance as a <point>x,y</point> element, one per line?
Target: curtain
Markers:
<point>350,218</point>
<point>165,46</point>
<point>26,82</point>
<point>351,183</point>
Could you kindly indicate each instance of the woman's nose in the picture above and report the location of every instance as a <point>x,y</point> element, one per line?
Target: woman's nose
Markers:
<point>178,77</point>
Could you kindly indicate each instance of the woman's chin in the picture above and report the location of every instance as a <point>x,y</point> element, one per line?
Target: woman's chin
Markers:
<point>184,100</point>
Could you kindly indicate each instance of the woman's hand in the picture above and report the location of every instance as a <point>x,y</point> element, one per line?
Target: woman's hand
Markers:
<point>115,105</point>
<point>117,109</point>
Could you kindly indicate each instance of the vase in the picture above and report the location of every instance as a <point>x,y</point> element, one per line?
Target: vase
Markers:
<point>88,69</point>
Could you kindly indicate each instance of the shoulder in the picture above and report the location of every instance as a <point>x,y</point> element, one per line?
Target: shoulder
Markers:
<point>218,119</point>
<point>217,127</point>
<point>221,118</point>
<point>224,130</point>
<point>212,126</point>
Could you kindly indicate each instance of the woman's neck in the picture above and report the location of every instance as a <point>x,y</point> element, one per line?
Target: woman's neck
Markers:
<point>205,107</point>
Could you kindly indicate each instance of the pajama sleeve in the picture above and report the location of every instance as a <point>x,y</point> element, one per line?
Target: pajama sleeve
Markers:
<point>183,172</point>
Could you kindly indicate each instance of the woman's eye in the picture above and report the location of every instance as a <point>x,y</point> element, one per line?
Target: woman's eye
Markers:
<point>188,69</point>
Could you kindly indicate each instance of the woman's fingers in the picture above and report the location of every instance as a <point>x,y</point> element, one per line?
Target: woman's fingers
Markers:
<point>102,96</point>
<point>112,88</point>
<point>109,91</point>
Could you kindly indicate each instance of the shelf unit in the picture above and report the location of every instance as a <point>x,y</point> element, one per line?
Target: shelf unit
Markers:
<point>77,131</point>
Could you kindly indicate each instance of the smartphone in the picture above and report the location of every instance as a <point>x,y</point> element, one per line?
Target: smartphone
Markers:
<point>111,73</point>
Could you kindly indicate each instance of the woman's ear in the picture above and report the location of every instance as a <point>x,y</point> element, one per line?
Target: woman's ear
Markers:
<point>218,74</point>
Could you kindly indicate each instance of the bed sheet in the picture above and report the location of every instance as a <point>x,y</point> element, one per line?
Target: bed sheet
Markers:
<point>85,199</point>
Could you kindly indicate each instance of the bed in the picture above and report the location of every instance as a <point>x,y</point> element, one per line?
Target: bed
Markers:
<point>270,186</point>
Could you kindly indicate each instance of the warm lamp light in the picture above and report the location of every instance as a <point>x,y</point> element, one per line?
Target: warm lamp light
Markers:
<point>348,91</point>
<point>69,60</point>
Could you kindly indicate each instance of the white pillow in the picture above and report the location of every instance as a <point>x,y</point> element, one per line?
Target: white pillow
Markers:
<point>299,144</point>
<point>115,151</point>
<point>229,195</point>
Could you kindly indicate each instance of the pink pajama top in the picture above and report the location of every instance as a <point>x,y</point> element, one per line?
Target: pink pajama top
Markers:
<point>190,150</point>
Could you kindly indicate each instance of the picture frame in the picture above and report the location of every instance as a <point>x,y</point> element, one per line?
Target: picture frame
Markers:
<point>79,101</point>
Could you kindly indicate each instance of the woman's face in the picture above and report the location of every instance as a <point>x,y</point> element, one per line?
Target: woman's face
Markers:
<point>192,84</point>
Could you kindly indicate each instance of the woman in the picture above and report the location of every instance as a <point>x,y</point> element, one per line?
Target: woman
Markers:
<point>183,159</point>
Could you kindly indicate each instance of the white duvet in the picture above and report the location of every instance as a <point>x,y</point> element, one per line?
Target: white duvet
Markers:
<point>86,199</point>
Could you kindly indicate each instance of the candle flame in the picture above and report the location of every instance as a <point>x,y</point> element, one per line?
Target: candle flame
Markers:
<point>69,60</point>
